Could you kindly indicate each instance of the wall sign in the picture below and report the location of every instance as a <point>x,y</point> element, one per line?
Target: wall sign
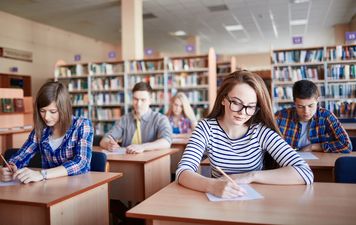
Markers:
<point>189,48</point>
<point>77,57</point>
<point>16,54</point>
<point>112,55</point>
<point>297,40</point>
<point>148,51</point>
<point>350,36</point>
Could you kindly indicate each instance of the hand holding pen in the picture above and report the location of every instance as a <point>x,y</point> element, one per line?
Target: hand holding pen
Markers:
<point>7,171</point>
<point>229,189</point>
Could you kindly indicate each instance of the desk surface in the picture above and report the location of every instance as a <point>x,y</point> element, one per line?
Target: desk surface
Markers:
<point>320,203</point>
<point>144,157</point>
<point>325,160</point>
<point>349,126</point>
<point>52,191</point>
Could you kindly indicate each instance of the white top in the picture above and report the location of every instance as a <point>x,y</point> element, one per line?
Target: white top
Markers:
<point>239,155</point>
<point>304,141</point>
<point>55,143</point>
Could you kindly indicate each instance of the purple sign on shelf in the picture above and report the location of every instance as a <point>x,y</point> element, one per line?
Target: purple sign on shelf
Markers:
<point>112,55</point>
<point>297,40</point>
<point>189,48</point>
<point>14,69</point>
<point>148,51</point>
<point>77,57</point>
<point>350,36</point>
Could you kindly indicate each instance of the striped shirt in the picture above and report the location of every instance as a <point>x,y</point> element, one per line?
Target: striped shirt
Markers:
<point>324,128</point>
<point>74,153</point>
<point>240,155</point>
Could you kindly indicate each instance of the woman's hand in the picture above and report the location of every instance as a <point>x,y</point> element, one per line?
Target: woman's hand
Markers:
<point>225,189</point>
<point>6,173</point>
<point>26,175</point>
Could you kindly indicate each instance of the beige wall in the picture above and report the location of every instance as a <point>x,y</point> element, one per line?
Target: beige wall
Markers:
<point>260,61</point>
<point>48,45</point>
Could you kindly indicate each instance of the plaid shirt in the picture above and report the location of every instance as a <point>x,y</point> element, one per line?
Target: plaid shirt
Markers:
<point>74,153</point>
<point>323,128</point>
<point>184,125</point>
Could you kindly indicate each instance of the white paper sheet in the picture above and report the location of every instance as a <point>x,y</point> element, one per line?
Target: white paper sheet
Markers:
<point>251,194</point>
<point>307,155</point>
<point>119,151</point>
<point>10,183</point>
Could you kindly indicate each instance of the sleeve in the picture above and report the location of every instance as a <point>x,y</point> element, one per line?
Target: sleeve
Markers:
<point>117,130</point>
<point>23,156</point>
<point>195,149</point>
<point>164,128</point>
<point>283,153</point>
<point>80,163</point>
<point>338,140</point>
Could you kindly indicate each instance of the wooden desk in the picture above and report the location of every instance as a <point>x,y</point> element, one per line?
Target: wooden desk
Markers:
<point>180,141</point>
<point>75,200</point>
<point>323,167</point>
<point>350,128</point>
<point>320,203</point>
<point>144,174</point>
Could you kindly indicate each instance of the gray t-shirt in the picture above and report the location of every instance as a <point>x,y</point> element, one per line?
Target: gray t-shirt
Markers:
<point>303,140</point>
<point>154,126</point>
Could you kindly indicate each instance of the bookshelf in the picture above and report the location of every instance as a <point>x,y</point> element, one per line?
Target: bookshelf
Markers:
<point>102,91</point>
<point>224,68</point>
<point>331,68</point>
<point>16,81</point>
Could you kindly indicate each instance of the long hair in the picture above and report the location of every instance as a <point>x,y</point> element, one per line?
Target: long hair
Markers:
<point>264,115</point>
<point>187,109</point>
<point>52,92</point>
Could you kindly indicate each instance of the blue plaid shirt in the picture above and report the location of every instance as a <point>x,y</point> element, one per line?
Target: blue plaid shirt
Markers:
<point>74,153</point>
<point>323,128</point>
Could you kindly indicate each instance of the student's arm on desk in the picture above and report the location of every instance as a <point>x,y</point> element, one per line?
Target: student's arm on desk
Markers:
<point>161,143</point>
<point>218,187</point>
<point>284,175</point>
<point>26,175</point>
<point>108,143</point>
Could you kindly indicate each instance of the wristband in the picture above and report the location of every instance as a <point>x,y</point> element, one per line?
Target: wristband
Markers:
<point>44,174</point>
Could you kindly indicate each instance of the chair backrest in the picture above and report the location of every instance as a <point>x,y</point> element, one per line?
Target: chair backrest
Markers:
<point>97,139</point>
<point>345,169</point>
<point>98,162</point>
<point>35,162</point>
<point>353,142</point>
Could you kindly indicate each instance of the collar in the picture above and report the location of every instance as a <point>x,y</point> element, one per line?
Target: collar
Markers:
<point>145,117</point>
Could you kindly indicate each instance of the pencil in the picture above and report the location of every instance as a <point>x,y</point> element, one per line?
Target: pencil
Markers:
<point>225,175</point>
<point>7,164</point>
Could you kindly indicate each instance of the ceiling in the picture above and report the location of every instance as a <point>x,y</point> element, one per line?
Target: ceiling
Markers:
<point>266,23</point>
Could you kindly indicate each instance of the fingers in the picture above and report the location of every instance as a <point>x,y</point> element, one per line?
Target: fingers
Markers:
<point>5,174</point>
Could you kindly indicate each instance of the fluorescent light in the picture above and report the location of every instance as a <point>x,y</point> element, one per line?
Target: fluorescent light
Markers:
<point>178,33</point>
<point>273,24</point>
<point>234,27</point>
<point>299,1</point>
<point>298,22</point>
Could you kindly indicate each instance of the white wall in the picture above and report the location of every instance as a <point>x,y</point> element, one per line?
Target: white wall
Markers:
<point>48,45</point>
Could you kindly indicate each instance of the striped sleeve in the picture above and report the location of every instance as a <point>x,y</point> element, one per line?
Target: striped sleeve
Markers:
<point>284,154</point>
<point>195,149</point>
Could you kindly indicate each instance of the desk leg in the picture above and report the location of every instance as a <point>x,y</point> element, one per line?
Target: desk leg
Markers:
<point>90,207</point>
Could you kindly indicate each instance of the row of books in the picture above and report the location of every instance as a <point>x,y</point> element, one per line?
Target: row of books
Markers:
<point>81,112</point>
<point>188,79</point>
<point>298,56</point>
<point>341,53</point>
<point>80,99</point>
<point>146,66</point>
<point>106,68</point>
<point>113,83</point>
<point>107,113</point>
<point>298,73</point>
<point>10,105</point>
<point>342,71</point>
<point>286,92</point>
<point>194,96</point>
<point>155,80</point>
<point>102,128</point>
<point>342,90</point>
<point>73,70</point>
<point>78,85</point>
<point>187,63</point>
<point>107,99</point>
<point>343,109</point>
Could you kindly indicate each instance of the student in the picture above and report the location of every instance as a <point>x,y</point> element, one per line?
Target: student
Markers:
<point>236,135</point>
<point>64,141</point>
<point>181,115</point>
<point>308,127</point>
<point>142,129</point>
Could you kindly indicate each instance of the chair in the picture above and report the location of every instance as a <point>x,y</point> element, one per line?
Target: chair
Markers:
<point>35,162</point>
<point>98,162</point>
<point>353,142</point>
<point>345,169</point>
<point>97,139</point>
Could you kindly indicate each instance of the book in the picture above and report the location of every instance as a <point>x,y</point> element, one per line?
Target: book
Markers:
<point>19,105</point>
<point>7,105</point>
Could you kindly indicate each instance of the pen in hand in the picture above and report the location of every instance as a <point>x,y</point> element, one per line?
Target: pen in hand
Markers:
<point>7,164</point>
<point>225,175</point>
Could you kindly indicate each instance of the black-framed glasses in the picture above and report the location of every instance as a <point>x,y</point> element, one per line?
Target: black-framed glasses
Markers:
<point>236,106</point>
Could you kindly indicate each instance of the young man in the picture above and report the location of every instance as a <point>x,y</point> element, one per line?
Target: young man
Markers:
<point>142,129</point>
<point>308,127</point>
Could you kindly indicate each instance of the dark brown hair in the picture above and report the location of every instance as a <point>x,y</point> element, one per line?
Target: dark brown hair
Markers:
<point>264,115</point>
<point>142,86</point>
<point>305,89</point>
<point>52,92</point>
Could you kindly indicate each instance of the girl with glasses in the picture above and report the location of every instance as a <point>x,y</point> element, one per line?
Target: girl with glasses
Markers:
<point>237,136</point>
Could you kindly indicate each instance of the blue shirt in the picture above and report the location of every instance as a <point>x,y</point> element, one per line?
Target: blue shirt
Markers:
<point>74,153</point>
